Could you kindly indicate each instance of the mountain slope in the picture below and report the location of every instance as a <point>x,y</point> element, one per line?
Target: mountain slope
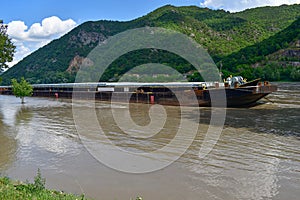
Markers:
<point>279,54</point>
<point>222,33</point>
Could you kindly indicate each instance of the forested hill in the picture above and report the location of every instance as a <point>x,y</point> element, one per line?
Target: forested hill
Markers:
<point>261,42</point>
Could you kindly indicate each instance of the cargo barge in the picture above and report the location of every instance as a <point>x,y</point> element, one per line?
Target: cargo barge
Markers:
<point>231,93</point>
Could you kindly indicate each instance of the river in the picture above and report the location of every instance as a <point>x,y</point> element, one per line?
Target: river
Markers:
<point>256,156</point>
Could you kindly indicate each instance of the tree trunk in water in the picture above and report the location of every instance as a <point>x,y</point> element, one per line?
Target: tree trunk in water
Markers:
<point>22,100</point>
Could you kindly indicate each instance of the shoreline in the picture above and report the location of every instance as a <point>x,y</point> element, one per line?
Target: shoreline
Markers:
<point>12,189</point>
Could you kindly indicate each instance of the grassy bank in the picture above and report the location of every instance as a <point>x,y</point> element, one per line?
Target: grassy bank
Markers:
<point>11,190</point>
<point>16,190</point>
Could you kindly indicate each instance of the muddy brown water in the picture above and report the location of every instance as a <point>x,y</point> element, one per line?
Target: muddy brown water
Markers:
<point>257,155</point>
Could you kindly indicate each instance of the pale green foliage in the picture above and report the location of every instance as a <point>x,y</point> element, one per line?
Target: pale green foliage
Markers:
<point>21,89</point>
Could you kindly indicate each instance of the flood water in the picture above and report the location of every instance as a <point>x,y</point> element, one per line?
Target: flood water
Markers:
<point>257,155</point>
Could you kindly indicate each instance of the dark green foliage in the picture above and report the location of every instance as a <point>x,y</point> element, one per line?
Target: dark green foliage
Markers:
<point>257,52</point>
<point>295,74</point>
<point>240,40</point>
<point>7,48</point>
<point>136,58</point>
<point>241,61</point>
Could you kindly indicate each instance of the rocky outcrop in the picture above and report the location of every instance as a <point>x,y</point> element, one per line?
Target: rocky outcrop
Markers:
<point>84,38</point>
<point>292,53</point>
<point>78,62</point>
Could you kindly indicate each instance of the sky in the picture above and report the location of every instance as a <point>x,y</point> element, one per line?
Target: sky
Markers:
<point>34,23</point>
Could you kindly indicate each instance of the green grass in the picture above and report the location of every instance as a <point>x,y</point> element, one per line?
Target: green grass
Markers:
<point>16,190</point>
<point>12,190</point>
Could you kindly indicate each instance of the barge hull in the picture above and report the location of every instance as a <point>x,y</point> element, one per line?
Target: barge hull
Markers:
<point>230,97</point>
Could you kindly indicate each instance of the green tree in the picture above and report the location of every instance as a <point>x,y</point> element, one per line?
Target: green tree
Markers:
<point>7,48</point>
<point>295,74</point>
<point>21,89</point>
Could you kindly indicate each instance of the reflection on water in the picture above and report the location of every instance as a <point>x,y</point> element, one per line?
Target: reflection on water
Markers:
<point>257,155</point>
<point>8,146</point>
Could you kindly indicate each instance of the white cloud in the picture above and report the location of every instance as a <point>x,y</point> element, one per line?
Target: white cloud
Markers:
<point>239,5</point>
<point>21,52</point>
<point>38,35</point>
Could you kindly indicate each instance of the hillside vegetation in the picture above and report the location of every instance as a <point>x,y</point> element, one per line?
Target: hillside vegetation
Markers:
<point>261,42</point>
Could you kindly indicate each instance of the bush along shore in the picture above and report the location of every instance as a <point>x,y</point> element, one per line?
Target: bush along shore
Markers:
<point>11,190</point>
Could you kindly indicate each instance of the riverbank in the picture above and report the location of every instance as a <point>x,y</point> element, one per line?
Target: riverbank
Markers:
<point>11,190</point>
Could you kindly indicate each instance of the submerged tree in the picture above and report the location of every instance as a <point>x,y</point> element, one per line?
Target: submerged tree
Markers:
<point>22,89</point>
<point>7,49</point>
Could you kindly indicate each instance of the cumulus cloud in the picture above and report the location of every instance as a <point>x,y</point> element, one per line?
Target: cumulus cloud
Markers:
<point>239,5</point>
<point>28,40</point>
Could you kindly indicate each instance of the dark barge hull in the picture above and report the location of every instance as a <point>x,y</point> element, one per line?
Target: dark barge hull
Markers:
<point>246,100</point>
<point>231,97</point>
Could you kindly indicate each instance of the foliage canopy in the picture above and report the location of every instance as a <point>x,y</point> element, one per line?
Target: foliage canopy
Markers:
<point>7,48</point>
<point>21,89</point>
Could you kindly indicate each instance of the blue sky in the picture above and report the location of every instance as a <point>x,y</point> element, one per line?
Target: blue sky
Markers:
<point>34,23</point>
<point>33,11</point>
